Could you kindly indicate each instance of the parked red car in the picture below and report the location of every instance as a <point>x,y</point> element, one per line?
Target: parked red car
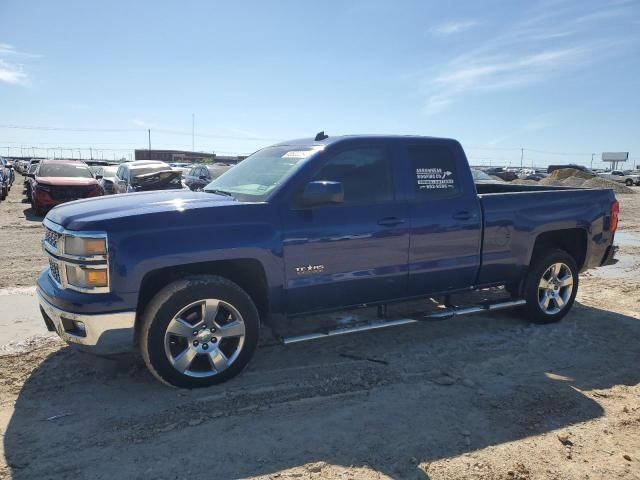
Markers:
<point>59,181</point>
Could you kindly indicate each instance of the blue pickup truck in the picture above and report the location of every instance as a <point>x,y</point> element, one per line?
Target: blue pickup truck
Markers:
<point>304,227</point>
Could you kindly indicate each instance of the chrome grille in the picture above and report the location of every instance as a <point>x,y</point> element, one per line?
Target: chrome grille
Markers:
<point>52,237</point>
<point>54,270</point>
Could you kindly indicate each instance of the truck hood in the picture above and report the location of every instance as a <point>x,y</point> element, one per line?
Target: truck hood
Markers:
<point>89,213</point>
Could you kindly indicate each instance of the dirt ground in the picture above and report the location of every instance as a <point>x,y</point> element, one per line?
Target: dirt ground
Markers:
<point>479,397</point>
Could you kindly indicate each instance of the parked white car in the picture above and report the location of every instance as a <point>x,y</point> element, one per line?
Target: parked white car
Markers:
<point>627,178</point>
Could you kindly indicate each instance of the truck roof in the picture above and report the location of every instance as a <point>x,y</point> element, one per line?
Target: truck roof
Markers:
<point>330,140</point>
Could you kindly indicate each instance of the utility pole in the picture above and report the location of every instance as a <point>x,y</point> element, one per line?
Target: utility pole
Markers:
<point>91,153</point>
<point>193,132</point>
<point>521,156</point>
<point>592,155</point>
<point>149,131</point>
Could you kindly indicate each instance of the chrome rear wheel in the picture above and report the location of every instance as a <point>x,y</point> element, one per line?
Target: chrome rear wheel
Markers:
<point>555,288</point>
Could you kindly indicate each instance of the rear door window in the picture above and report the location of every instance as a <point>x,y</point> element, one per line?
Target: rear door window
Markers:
<point>433,171</point>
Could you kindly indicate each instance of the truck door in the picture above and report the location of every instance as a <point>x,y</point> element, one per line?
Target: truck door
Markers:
<point>446,220</point>
<point>354,252</point>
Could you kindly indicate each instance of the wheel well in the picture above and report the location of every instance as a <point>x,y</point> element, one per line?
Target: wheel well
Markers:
<point>247,273</point>
<point>572,240</point>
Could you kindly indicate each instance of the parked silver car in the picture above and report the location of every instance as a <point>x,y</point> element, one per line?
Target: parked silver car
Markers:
<point>621,176</point>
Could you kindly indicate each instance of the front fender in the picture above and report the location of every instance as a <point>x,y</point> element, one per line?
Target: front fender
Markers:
<point>184,238</point>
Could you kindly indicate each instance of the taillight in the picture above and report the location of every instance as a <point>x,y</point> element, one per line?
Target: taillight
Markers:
<point>615,212</point>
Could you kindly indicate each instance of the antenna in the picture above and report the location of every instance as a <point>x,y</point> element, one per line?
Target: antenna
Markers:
<point>321,136</point>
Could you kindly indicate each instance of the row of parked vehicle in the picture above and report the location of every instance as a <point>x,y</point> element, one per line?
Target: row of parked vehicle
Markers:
<point>144,175</point>
<point>49,183</point>
<point>7,177</point>
<point>628,177</point>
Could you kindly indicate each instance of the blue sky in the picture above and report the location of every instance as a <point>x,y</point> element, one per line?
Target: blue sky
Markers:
<point>549,76</point>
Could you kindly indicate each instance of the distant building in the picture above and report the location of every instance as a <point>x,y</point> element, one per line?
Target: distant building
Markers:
<point>185,156</point>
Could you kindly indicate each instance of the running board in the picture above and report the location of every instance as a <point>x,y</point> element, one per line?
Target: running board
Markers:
<point>445,313</point>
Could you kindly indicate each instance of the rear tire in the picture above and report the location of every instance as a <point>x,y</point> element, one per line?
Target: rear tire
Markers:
<point>628,182</point>
<point>550,286</point>
<point>199,331</point>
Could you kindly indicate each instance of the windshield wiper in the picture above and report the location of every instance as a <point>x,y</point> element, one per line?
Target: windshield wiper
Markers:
<point>221,192</point>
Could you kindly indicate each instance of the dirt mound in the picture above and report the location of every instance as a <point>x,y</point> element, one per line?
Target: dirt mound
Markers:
<point>570,177</point>
<point>520,181</point>
<point>550,181</point>
<point>598,182</point>
<point>573,182</point>
<point>565,173</point>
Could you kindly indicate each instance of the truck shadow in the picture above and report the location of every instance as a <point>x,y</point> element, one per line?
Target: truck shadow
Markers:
<point>30,215</point>
<point>385,400</point>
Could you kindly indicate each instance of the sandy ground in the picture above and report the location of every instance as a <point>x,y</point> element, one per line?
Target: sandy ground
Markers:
<point>480,397</point>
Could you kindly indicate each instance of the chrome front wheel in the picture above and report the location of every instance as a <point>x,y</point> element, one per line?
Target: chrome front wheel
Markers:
<point>199,331</point>
<point>204,338</point>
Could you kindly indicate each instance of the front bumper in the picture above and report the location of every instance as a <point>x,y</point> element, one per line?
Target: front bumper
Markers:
<point>102,334</point>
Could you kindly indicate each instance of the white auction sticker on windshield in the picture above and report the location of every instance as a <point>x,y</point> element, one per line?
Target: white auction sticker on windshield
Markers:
<point>300,153</point>
<point>434,179</point>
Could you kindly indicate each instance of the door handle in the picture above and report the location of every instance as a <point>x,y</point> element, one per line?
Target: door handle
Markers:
<point>390,221</point>
<point>463,215</point>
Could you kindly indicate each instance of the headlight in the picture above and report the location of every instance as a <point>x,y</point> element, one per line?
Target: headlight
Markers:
<point>87,277</point>
<point>85,246</point>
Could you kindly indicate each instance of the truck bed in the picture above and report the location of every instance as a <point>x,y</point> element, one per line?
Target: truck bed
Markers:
<point>516,216</point>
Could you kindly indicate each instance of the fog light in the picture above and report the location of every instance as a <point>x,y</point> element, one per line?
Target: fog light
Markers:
<point>79,328</point>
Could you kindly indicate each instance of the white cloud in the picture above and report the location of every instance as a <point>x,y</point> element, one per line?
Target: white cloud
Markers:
<point>490,73</point>
<point>12,74</point>
<point>529,51</point>
<point>458,26</point>
<point>6,48</point>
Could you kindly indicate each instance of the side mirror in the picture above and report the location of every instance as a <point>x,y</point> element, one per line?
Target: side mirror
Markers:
<point>10,167</point>
<point>31,175</point>
<point>98,177</point>
<point>203,177</point>
<point>321,193</point>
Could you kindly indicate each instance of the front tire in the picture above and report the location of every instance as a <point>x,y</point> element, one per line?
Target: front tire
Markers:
<point>628,182</point>
<point>199,331</point>
<point>550,286</point>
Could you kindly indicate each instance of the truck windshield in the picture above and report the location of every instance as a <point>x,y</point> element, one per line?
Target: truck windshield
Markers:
<point>258,175</point>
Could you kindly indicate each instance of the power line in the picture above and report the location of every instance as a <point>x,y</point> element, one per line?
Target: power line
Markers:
<point>68,129</point>
<point>139,130</point>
